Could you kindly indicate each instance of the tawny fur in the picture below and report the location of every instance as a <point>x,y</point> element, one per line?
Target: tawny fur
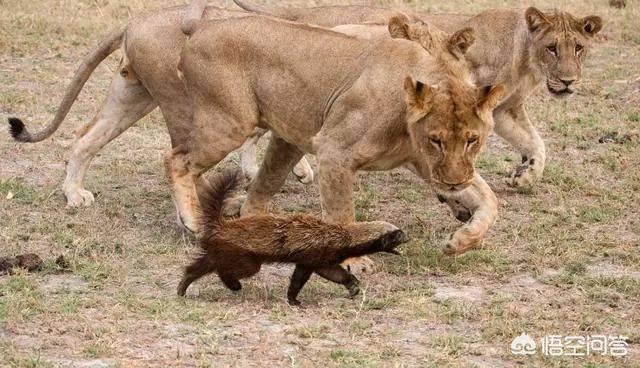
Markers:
<point>512,48</point>
<point>504,51</point>
<point>380,105</point>
<point>236,249</point>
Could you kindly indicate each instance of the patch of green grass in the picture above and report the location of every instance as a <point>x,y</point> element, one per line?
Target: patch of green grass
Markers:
<point>352,358</point>
<point>3,311</point>
<point>365,198</point>
<point>18,192</point>
<point>94,272</point>
<point>556,175</point>
<point>69,306</point>
<point>195,316</point>
<point>23,298</point>
<point>377,303</point>
<point>409,195</point>
<point>32,361</point>
<point>312,332</point>
<point>493,164</point>
<point>420,255</point>
<point>64,238</point>
<point>597,285</point>
<point>94,350</point>
<point>451,344</point>
<point>452,310</point>
<point>576,268</point>
<point>596,214</point>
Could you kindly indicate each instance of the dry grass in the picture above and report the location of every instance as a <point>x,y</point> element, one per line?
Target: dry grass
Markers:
<point>564,258</point>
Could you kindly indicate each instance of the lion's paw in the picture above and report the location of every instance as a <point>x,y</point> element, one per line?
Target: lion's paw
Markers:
<point>458,245</point>
<point>304,173</point>
<point>79,198</point>
<point>359,265</point>
<point>232,206</point>
<point>524,176</point>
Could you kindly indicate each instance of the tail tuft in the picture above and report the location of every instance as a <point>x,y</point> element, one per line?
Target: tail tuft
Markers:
<point>17,129</point>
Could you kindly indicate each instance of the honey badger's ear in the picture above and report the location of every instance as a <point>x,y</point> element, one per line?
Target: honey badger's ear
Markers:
<point>591,25</point>
<point>460,41</point>
<point>418,97</point>
<point>399,26</point>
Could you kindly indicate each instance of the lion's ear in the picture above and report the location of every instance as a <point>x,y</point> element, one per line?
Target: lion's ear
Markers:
<point>490,97</point>
<point>418,97</point>
<point>460,41</point>
<point>535,19</point>
<point>399,26</point>
<point>591,25</point>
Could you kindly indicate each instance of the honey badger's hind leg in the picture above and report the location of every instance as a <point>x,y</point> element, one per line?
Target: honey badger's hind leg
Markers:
<point>230,281</point>
<point>128,101</point>
<point>194,271</point>
<point>242,267</point>
<point>339,275</point>
<point>299,277</point>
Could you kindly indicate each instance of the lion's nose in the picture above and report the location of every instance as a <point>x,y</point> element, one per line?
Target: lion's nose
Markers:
<point>568,82</point>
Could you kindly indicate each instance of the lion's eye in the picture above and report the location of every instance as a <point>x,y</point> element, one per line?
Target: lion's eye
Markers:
<point>472,140</point>
<point>552,49</point>
<point>579,48</point>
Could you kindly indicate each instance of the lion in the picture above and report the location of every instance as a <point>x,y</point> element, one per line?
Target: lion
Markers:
<point>522,49</point>
<point>355,104</point>
<point>145,79</point>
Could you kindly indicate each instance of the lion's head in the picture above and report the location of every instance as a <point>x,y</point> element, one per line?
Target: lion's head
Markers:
<point>560,43</point>
<point>448,122</point>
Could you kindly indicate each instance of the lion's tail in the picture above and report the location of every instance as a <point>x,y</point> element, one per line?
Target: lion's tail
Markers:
<point>89,64</point>
<point>274,11</point>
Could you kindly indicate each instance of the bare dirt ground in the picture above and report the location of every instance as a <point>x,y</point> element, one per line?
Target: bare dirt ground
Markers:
<point>562,259</point>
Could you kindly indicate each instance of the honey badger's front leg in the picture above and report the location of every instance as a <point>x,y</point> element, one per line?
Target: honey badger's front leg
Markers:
<point>482,203</point>
<point>334,273</point>
<point>300,277</point>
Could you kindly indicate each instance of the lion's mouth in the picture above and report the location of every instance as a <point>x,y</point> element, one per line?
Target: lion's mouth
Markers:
<point>452,188</point>
<point>562,91</point>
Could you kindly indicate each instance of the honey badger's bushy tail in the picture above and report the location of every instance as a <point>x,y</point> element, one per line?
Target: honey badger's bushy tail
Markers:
<point>212,198</point>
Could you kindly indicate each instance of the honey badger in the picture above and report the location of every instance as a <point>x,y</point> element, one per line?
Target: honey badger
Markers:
<point>236,249</point>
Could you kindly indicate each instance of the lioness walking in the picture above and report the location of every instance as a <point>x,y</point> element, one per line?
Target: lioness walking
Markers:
<point>523,49</point>
<point>357,105</point>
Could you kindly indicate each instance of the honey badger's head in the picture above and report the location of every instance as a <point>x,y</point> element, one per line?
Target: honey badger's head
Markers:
<point>380,235</point>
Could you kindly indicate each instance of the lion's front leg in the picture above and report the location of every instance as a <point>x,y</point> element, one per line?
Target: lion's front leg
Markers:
<point>279,160</point>
<point>336,178</point>
<point>482,203</point>
<point>514,126</point>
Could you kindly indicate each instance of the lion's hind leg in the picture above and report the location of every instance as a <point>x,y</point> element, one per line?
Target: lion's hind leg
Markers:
<point>128,101</point>
<point>214,135</point>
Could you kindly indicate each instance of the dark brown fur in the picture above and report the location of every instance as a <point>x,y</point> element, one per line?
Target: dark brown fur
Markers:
<point>236,249</point>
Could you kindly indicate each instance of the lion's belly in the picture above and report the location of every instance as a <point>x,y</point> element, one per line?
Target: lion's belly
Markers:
<point>293,130</point>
